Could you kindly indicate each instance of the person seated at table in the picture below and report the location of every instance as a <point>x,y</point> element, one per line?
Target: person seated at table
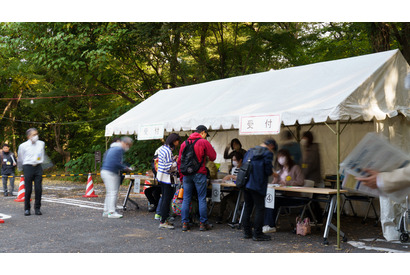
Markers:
<point>237,158</point>
<point>290,174</point>
<point>153,193</point>
<point>292,146</point>
<point>236,146</point>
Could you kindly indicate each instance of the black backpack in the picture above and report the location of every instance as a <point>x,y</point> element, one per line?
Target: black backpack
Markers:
<point>244,172</point>
<point>189,161</point>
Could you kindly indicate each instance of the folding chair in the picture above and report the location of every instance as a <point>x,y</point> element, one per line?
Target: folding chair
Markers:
<point>305,206</point>
<point>361,198</point>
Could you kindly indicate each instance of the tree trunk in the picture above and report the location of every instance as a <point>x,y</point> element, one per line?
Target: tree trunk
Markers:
<point>380,36</point>
<point>58,147</point>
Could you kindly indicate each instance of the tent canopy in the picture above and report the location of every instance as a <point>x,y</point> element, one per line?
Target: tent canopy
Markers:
<point>357,88</point>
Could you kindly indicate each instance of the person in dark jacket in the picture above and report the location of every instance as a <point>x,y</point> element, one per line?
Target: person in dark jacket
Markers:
<point>8,167</point>
<point>311,159</point>
<point>255,189</point>
<point>311,169</point>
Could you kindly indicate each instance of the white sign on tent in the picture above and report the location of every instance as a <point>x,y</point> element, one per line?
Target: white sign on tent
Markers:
<point>151,131</point>
<point>259,125</point>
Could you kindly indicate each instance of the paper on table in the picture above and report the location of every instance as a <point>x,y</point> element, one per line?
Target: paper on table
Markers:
<point>373,152</point>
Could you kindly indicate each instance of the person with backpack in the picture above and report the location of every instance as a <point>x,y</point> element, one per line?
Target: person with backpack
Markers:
<point>255,189</point>
<point>8,167</point>
<point>166,166</point>
<point>191,164</point>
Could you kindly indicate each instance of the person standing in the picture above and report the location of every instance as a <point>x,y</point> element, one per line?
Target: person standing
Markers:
<point>292,146</point>
<point>196,178</point>
<point>311,170</point>
<point>166,166</point>
<point>255,189</point>
<point>8,164</point>
<point>30,157</point>
<point>235,146</point>
<point>110,174</point>
<point>311,159</point>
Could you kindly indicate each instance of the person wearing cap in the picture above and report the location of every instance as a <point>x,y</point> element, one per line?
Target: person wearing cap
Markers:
<point>255,189</point>
<point>198,180</point>
<point>8,164</point>
<point>31,155</point>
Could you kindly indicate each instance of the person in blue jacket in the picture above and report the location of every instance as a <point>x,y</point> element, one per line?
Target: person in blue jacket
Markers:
<point>110,174</point>
<point>255,190</point>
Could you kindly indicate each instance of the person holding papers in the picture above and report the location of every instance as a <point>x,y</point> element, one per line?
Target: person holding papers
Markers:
<point>388,182</point>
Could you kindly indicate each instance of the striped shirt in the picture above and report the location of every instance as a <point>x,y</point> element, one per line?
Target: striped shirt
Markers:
<point>234,171</point>
<point>165,163</point>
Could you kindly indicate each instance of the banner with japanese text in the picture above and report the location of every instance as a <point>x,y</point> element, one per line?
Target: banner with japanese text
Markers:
<point>259,125</point>
<point>151,131</point>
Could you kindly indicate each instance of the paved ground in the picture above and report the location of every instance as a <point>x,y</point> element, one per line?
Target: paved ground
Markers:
<point>71,223</point>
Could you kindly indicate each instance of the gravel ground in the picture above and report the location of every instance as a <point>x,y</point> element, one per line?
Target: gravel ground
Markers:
<point>71,224</point>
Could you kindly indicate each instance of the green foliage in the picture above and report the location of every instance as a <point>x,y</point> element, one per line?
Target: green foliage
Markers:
<point>141,154</point>
<point>128,62</point>
<point>85,163</point>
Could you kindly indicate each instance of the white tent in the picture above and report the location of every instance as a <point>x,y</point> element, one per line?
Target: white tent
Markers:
<point>366,91</point>
<point>360,88</point>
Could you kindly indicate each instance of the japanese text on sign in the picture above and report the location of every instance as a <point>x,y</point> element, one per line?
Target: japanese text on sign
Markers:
<point>150,131</point>
<point>259,125</point>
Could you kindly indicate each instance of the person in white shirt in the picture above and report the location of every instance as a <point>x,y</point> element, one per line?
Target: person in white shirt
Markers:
<point>388,182</point>
<point>30,157</point>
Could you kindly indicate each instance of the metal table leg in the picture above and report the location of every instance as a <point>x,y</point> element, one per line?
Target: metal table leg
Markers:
<point>329,224</point>
<point>124,206</point>
<point>237,206</point>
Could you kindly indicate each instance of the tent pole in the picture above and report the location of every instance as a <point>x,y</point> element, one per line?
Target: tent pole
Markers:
<point>338,183</point>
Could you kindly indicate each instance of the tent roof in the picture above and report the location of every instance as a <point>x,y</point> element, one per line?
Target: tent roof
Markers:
<point>358,88</point>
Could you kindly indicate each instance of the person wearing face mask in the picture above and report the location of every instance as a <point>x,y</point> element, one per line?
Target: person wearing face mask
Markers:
<point>166,166</point>
<point>30,157</point>
<point>255,190</point>
<point>292,146</point>
<point>237,159</point>
<point>290,174</point>
<point>110,174</point>
<point>235,146</point>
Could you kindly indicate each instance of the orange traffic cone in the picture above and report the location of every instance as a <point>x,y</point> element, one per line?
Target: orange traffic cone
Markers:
<point>22,191</point>
<point>146,182</point>
<point>89,192</point>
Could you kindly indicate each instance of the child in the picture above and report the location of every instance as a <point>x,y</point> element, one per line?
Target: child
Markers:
<point>8,164</point>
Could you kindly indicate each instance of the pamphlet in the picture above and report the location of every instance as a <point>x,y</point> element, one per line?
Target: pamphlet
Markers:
<point>373,152</point>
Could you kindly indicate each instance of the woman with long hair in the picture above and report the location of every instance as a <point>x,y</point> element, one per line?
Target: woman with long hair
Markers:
<point>290,174</point>
<point>166,165</point>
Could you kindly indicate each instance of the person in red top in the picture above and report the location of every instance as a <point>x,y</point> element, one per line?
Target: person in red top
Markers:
<point>202,149</point>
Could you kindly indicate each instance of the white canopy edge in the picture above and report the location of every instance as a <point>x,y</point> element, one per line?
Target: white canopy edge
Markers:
<point>358,88</point>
